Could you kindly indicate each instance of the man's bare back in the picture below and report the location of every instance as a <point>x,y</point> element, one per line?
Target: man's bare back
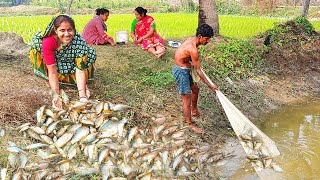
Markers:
<point>183,54</point>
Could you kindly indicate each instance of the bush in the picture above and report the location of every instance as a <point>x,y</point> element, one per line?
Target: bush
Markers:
<point>309,29</point>
<point>227,7</point>
<point>236,59</point>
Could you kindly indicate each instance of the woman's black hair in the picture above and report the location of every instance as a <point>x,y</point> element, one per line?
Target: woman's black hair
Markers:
<point>61,18</point>
<point>101,11</point>
<point>205,30</point>
<point>141,10</point>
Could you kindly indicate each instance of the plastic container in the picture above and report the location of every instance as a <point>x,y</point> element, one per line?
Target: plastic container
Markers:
<point>122,37</point>
<point>174,44</point>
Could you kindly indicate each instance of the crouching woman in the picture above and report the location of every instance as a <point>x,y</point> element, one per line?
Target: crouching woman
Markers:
<point>60,55</point>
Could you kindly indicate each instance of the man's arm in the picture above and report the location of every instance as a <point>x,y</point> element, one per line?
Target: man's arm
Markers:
<point>196,64</point>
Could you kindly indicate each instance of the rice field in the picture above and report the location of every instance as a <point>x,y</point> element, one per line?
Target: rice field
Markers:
<point>169,25</point>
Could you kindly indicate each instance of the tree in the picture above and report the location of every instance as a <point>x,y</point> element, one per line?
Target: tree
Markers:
<point>62,9</point>
<point>69,7</point>
<point>305,8</point>
<point>208,14</point>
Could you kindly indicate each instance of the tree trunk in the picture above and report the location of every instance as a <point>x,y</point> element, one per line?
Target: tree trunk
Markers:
<point>208,14</point>
<point>305,8</point>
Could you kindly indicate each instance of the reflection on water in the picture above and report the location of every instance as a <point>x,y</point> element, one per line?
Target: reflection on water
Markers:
<point>296,132</point>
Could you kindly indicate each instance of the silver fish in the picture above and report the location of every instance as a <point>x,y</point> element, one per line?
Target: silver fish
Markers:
<point>99,107</point>
<point>49,113</point>
<point>99,121</point>
<point>4,173</point>
<point>23,160</point>
<point>65,98</point>
<point>53,175</point>
<point>119,107</point>
<point>46,139</point>
<point>74,128</point>
<point>63,139</point>
<point>2,132</point>
<point>72,151</point>
<point>23,125</point>
<point>17,175</point>
<point>62,130</point>
<point>85,170</point>
<point>37,145</point>
<point>48,121</point>
<point>90,138</point>
<point>82,132</point>
<point>51,127</point>
<point>64,166</point>
<point>38,130</point>
<point>132,133</point>
<point>40,115</point>
<point>13,160</point>
<point>276,168</point>
<point>103,155</point>
<point>15,149</point>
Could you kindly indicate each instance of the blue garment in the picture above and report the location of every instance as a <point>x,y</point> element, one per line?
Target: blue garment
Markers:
<point>183,78</point>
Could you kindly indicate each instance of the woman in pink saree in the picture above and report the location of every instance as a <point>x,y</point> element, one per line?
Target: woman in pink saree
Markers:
<point>144,34</point>
<point>94,33</point>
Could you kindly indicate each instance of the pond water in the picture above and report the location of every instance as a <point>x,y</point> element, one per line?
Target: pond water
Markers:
<point>296,132</point>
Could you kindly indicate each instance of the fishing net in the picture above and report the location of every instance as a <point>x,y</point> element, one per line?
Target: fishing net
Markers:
<point>259,148</point>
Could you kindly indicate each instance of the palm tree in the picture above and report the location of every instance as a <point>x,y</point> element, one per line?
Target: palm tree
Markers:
<point>208,14</point>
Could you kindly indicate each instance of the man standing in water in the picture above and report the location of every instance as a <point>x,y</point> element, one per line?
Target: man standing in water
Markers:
<point>186,58</point>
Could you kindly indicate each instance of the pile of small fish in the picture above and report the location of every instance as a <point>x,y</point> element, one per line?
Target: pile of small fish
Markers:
<point>92,138</point>
<point>256,152</point>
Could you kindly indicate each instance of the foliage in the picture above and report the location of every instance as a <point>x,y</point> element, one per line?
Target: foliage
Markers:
<point>158,79</point>
<point>188,6</point>
<point>111,4</point>
<point>277,30</point>
<point>5,3</point>
<point>228,7</point>
<point>309,29</point>
<point>236,59</point>
<point>282,34</point>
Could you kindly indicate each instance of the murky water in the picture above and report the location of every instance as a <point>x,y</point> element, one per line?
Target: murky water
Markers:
<point>296,132</point>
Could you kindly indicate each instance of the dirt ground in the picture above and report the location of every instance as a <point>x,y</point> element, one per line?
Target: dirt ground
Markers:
<point>290,75</point>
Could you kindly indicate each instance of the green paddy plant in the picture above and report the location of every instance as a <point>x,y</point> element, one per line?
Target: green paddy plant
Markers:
<point>169,25</point>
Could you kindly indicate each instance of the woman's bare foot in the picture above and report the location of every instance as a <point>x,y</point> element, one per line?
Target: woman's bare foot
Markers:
<point>160,50</point>
<point>47,83</point>
<point>87,92</point>
<point>159,55</point>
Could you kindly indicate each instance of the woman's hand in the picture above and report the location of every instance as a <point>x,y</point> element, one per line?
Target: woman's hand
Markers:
<point>139,40</point>
<point>57,103</point>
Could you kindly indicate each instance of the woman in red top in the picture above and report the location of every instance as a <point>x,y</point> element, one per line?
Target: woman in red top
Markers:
<point>94,32</point>
<point>60,55</point>
<point>144,34</point>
